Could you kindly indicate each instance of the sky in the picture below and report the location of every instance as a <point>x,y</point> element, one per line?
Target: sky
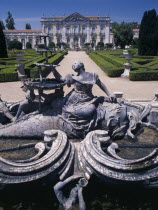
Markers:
<point>30,11</point>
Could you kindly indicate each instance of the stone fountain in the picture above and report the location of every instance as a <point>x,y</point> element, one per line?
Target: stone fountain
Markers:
<point>69,139</point>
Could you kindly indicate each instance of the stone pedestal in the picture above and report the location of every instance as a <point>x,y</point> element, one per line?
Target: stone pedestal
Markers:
<point>128,67</point>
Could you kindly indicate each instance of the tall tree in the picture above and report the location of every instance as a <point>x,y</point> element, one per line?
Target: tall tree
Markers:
<point>10,21</point>
<point>2,24</point>
<point>122,34</point>
<point>148,34</point>
<point>3,47</point>
<point>27,26</point>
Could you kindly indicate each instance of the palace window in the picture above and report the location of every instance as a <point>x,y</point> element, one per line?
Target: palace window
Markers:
<point>49,30</point>
<point>84,30</point>
<point>67,30</point>
<point>75,29</point>
<point>58,30</point>
<point>102,30</point>
<point>93,30</point>
<point>30,40</point>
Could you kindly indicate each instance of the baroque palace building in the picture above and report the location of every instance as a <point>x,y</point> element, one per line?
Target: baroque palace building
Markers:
<point>75,30</point>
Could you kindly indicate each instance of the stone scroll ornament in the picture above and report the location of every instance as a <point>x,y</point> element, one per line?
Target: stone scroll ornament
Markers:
<point>79,135</point>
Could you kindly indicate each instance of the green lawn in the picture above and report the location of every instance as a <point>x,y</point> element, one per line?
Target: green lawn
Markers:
<point>8,70</point>
<point>112,62</point>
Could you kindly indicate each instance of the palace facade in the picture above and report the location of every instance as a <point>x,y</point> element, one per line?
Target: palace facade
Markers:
<point>74,30</point>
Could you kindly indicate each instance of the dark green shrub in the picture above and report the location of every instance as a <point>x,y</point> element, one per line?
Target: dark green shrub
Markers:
<point>51,45</point>
<point>100,45</point>
<point>42,46</point>
<point>87,45</point>
<point>15,44</point>
<point>109,45</point>
<point>142,75</point>
<point>28,45</point>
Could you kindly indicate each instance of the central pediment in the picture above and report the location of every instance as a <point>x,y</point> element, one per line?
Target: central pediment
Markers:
<point>75,17</point>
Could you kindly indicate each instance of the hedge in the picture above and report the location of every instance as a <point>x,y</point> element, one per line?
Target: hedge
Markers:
<point>144,68</point>
<point>142,75</point>
<point>9,73</point>
<point>110,69</point>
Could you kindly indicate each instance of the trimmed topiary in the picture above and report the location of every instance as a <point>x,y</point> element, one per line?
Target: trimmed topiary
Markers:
<point>15,44</point>
<point>28,45</point>
<point>51,45</point>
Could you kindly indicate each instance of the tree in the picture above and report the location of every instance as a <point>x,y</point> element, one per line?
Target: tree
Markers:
<point>3,47</point>
<point>10,21</point>
<point>2,24</point>
<point>15,44</point>
<point>27,26</point>
<point>148,34</point>
<point>123,34</point>
<point>135,42</point>
<point>133,25</point>
<point>28,45</point>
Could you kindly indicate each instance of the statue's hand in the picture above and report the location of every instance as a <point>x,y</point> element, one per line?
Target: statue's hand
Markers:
<point>77,176</point>
<point>112,98</point>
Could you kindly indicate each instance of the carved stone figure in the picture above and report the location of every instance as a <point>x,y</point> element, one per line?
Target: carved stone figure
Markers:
<point>77,132</point>
<point>72,192</point>
<point>78,113</point>
<point>26,105</point>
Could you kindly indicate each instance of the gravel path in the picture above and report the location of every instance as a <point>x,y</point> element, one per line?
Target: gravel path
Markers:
<point>10,91</point>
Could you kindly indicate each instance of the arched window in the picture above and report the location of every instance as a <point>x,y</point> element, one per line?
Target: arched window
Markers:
<point>67,30</point>
<point>30,40</point>
<point>75,29</point>
<point>49,30</point>
<point>84,30</point>
<point>93,30</point>
<point>58,30</point>
<point>102,30</point>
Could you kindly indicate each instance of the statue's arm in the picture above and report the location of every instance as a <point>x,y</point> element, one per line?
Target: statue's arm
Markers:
<point>61,184</point>
<point>102,86</point>
<point>112,98</point>
<point>57,75</point>
<point>82,205</point>
<point>68,78</point>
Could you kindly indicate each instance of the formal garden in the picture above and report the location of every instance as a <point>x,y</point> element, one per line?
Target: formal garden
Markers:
<point>8,69</point>
<point>112,63</point>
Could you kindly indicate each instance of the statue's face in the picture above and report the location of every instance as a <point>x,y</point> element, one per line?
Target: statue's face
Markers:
<point>76,66</point>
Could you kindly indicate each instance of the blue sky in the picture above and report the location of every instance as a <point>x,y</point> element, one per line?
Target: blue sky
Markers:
<point>30,11</point>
